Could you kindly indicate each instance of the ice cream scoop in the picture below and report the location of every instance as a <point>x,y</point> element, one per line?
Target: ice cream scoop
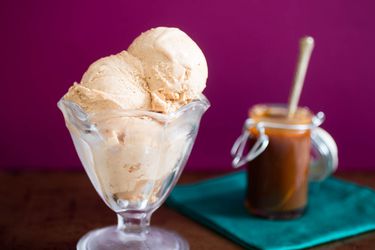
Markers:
<point>114,81</point>
<point>174,67</point>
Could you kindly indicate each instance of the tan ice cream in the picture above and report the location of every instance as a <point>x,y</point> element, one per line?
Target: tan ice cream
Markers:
<point>114,81</point>
<point>174,67</point>
<point>163,70</point>
<point>133,156</point>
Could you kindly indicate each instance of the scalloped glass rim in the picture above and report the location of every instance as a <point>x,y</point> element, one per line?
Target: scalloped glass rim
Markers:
<point>202,101</point>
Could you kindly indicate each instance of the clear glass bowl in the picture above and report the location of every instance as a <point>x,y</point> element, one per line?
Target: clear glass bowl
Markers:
<point>133,158</point>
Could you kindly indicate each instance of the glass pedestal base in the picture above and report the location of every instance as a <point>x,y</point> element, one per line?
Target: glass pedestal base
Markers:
<point>111,238</point>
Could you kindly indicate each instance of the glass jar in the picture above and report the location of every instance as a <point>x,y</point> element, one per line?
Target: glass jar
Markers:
<point>284,154</point>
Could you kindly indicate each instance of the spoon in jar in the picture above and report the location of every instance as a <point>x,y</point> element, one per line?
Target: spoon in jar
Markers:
<point>306,48</point>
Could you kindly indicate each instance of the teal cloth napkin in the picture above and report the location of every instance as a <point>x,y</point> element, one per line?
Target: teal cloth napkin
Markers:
<point>336,209</point>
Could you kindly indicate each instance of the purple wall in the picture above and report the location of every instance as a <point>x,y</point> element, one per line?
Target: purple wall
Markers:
<point>251,48</point>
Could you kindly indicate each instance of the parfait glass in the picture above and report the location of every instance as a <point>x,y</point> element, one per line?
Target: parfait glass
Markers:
<point>133,158</point>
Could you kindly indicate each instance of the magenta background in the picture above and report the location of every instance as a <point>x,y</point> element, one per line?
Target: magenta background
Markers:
<point>251,48</point>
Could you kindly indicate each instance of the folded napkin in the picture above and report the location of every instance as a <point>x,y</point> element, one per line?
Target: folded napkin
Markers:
<point>336,209</point>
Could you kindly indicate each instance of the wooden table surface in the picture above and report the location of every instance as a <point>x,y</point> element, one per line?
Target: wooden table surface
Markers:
<point>52,210</point>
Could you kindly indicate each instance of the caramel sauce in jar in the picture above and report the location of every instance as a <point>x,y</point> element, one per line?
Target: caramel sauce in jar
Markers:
<point>278,177</point>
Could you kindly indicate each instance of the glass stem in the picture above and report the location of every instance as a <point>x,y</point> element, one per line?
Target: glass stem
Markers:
<point>133,222</point>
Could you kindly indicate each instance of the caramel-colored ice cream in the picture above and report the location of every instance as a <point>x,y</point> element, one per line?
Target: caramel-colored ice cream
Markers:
<point>111,82</point>
<point>163,70</point>
<point>174,67</point>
